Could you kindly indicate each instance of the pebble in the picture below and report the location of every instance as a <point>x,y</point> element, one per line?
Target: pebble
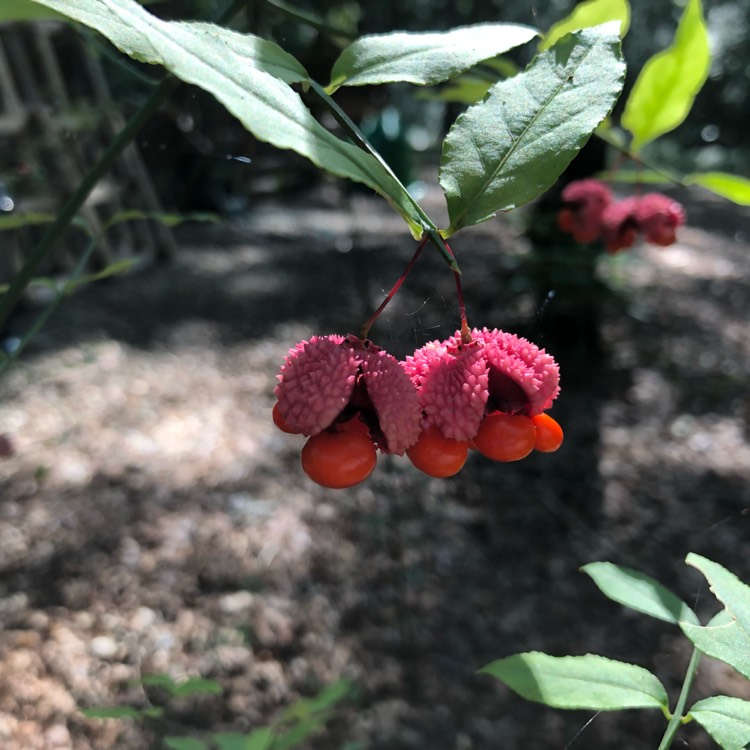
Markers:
<point>103,647</point>
<point>239,601</point>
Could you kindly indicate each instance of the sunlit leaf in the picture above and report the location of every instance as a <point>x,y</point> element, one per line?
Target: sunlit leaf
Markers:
<point>640,592</point>
<point>733,187</point>
<point>26,10</point>
<point>587,14</point>
<point>196,686</point>
<point>250,77</point>
<point>513,145</point>
<point>424,58</point>
<point>726,719</point>
<point>666,87</point>
<point>722,639</point>
<point>728,589</point>
<point>591,682</point>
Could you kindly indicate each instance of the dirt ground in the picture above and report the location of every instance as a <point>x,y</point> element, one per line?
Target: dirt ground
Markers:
<point>152,520</point>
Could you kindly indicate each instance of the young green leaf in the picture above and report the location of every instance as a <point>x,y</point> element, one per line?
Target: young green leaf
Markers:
<point>586,14</point>
<point>722,639</point>
<point>196,686</point>
<point>726,719</point>
<point>249,78</point>
<point>588,682</point>
<point>26,10</point>
<point>424,58</point>
<point>730,590</point>
<point>733,187</point>
<point>112,712</point>
<point>666,87</point>
<point>640,592</point>
<point>513,145</point>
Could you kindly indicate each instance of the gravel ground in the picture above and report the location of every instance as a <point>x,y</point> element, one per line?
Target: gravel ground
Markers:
<point>152,520</point>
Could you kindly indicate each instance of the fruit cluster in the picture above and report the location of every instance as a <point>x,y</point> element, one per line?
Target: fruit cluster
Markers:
<point>483,389</point>
<point>590,212</point>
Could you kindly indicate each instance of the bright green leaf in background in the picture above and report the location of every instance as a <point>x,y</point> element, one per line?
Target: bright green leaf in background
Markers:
<point>728,186</point>
<point>513,145</point>
<point>666,87</point>
<point>230,66</point>
<point>722,639</point>
<point>26,10</point>
<point>587,14</point>
<point>726,719</point>
<point>424,58</point>
<point>112,712</point>
<point>638,591</point>
<point>587,682</point>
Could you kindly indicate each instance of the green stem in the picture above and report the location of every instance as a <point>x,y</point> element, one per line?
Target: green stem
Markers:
<point>677,717</point>
<point>69,286</point>
<point>359,139</point>
<point>88,183</point>
<point>611,139</point>
<point>310,20</point>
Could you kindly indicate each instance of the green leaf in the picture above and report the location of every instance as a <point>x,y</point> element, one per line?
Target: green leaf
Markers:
<point>730,590</point>
<point>666,87</point>
<point>260,739</point>
<point>26,10</point>
<point>300,731</point>
<point>167,219</point>
<point>636,177</point>
<point>587,14</point>
<point>196,686</point>
<point>591,682</point>
<point>424,58</point>
<point>139,34</point>
<point>722,639</point>
<point>640,592</point>
<point>112,712</point>
<point>184,743</point>
<point>512,146</point>
<point>726,185</point>
<point>250,77</point>
<point>17,221</point>
<point>158,680</point>
<point>726,719</point>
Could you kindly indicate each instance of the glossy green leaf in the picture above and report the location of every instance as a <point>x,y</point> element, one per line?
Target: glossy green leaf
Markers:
<point>589,682</point>
<point>250,77</point>
<point>728,589</point>
<point>726,719</point>
<point>722,639</point>
<point>666,87</point>
<point>112,712</point>
<point>513,145</point>
<point>424,58</point>
<point>733,187</point>
<point>26,10</point>
<point>587,14</point>
<point>640,592</point>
